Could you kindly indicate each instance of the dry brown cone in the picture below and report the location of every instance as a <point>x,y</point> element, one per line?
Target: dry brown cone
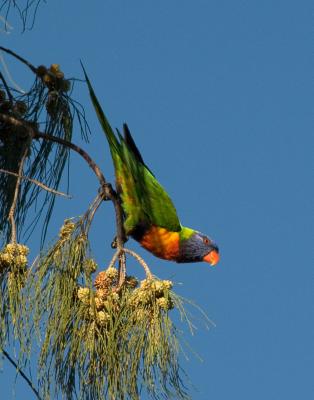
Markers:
<point>102,281</point>
<point>106,279</point>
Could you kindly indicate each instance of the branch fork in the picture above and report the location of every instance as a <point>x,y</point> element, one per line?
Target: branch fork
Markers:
<point>121,255</point>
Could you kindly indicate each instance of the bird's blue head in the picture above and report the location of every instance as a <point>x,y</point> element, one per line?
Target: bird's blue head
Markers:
<point>198,247</point>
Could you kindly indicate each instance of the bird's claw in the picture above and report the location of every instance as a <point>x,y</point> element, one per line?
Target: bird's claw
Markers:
<point>114,243</point>
<point>106,191</point>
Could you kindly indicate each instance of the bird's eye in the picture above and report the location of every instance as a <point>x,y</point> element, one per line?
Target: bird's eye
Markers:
<point>205,240</point>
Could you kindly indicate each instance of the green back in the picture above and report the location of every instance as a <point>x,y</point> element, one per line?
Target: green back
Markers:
<point>144,200</point>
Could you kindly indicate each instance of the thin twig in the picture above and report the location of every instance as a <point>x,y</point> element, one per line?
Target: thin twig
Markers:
<point>40,184</point>
<point>121,237</point>
<point>77,149</point>
<point>6,25</point>
<point>113,196</point>
<point>6,88</point>
<point>122,269</point>
<point>15,197</point>
<point>9,76</point>
<point>114,258</point>
<point>19,371</point>
<point>119,254</point>
<point>90,213</point>
<point>107,191</point>
<point>30,66</point>
<point>140,260</point>
<point>39,135</point>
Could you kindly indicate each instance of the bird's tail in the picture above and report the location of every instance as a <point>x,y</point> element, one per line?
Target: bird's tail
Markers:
<point>112,140</point>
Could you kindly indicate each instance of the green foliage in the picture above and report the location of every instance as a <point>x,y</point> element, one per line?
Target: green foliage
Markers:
<point>48,105</point>
<point>100,341</point>
<point>13,311</point>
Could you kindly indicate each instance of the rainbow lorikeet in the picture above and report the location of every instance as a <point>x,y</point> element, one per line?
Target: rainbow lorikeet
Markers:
<point>150,216</point>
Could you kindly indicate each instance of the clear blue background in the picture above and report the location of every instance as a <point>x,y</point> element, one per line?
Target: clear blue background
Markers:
<point>218,95</point>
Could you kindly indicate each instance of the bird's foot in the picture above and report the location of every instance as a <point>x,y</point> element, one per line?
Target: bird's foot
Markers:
<point>106,191</point>
<point>114,243</point>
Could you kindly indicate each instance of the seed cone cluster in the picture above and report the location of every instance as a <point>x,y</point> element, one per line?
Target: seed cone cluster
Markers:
<point>90,266</point>
<point>66,230</point>
<point>13,261</point>
<point>104,299</point>
<point>13,254</point>
<point>143,300</point>
<point>121,334</point>
<point>16,108</point>
<point>153,291</point>
<point>53,78</point>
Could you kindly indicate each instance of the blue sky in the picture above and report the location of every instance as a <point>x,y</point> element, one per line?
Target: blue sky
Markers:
<point>218,97</point>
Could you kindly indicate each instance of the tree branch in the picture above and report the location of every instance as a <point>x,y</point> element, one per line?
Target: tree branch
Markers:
<point>77,149</point>
<point>121,253</point>
<point>28,64</point>
<point>6,88</point>
<point>140,261</point>
<point>23,375</point>
<point>40,184</point>
<point>34,134</point>
<point>107,191</point>
<point>16,193</point>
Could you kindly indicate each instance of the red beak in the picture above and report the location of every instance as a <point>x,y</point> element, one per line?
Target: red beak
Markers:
<point>212,258</point>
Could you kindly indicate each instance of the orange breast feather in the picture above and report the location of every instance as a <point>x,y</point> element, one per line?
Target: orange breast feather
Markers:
<point>162,243</point>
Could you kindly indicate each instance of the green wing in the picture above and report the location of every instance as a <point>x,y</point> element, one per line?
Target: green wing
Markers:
<point>144,200</point>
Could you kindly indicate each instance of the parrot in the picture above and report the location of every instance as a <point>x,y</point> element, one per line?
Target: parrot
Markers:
<point>150,216</point>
